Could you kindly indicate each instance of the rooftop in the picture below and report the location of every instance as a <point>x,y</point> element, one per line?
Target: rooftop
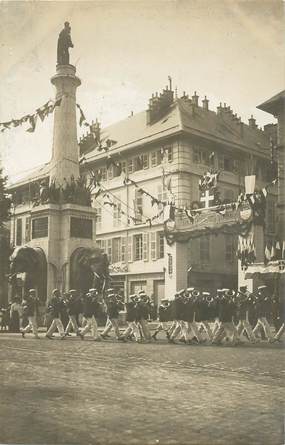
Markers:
<point>165,118</point>
<point>275,104</point>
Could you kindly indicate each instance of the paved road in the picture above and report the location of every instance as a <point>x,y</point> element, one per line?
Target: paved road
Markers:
<point>73,392</point>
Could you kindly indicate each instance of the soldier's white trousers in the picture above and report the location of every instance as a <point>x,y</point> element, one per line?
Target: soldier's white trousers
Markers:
<point>145,329</point>
<point>245,326</point>
<point>91,325</point>
<point>206,327</point>
<point>263,323</point>
<point>32,326</point>
<point>56,324</point>
<point>72,323</point>
<point>112,323</point>
<point>281,330</point>
<point>226,329</point>
<point>132,329</point>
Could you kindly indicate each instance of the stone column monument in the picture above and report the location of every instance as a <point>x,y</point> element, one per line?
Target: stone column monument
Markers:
<point>65,150</point>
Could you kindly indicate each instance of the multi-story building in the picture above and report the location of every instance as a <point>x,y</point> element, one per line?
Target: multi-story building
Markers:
<point>165,150</point>
<point>162,151</point>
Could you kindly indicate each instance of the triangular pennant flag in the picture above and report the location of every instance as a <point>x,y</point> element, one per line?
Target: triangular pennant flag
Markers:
<point>32,122</point>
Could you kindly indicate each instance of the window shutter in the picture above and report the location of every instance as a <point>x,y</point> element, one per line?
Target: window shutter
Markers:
<point>130,249</point>
<point>103,245</point>
<point>153,158</point>
<point>153,245</point>
<point>123,248</point>
<point>145,246</point>
<point>109,249</point>
<point>28,229</point>
<point>145,161</point>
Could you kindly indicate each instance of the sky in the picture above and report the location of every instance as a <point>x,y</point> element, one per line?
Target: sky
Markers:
<point>232,51</point>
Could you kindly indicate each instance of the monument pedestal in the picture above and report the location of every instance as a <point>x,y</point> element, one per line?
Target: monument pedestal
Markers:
<point>67,227</point>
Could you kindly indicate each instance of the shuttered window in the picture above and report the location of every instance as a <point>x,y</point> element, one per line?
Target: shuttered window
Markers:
<point>109,249</point>
<point>153,245</point>
<point>138,247</point>
<point>19,232</point>
<point>145,246</point>
<point>123,248</point>
<point>130,248</point>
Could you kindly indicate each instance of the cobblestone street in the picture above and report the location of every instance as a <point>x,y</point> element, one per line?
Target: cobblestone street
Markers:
<point>73,392</point>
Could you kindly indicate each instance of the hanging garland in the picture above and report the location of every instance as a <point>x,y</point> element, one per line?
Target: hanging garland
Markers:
<point>41,112</point>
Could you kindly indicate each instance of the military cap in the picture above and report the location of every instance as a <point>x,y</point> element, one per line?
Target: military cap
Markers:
<point>190,289</point>
<point>92,290</point>
<point>142,292</point>
<point>206,293</point>
<point>181,291</point>
<point>31,291</point>
<point>262,287</point>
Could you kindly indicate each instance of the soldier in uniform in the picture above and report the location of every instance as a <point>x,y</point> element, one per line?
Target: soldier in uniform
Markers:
<point>132,315</point>
<point>163,315</point>
<point>204,312</point>
<point>91,309</point>
<point>178,310</point>
<point>55,309</point>
<point>281,319</point>
<point>263,308</point>
<point>73,308</point>
<point>227,329</point>
<point>243,302</point>
<point>30,310</point>
<point>143,314</point>
<point>114,306</point>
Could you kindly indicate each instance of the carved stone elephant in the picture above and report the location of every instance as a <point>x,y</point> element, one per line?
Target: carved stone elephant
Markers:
<point>31,262</point>
<point>89,268</point>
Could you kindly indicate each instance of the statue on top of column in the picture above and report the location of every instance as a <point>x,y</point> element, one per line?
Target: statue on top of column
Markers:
<point>63,44</point>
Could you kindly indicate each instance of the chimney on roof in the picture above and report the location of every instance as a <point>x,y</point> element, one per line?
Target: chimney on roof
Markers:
<point>219,109</point>
<point>252,122</point>
<point>158,105</point>
<point>240,123</point>
<point>195,99</point>
<point>205,103</point>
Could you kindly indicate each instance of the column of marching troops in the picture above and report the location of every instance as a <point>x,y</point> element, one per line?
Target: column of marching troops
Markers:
<point>192,317</point>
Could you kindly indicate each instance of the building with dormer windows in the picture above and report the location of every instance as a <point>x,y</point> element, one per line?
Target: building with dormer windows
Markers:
<point>164,151</point>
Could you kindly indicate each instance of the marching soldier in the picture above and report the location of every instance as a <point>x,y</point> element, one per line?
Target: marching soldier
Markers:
<point>204,313</point>
<point>281,319</point>
<point>178,310</point>
<point>143,315</point>
<point>30,310</point>
<point>114,306</point>
<point>73,308</point>
<point>132,315</point>
<point>243,302</point>
<point>55,309</point>
<point>91,309</point>
<point>163,315</point>
<point>193,314</point>
<point>263,308</point>
<point>227,328</point>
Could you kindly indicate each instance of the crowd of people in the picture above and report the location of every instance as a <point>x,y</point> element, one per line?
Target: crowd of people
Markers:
<point>192,317</point>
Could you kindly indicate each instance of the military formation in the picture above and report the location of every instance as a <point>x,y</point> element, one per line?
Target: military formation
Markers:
<point>191,317</point>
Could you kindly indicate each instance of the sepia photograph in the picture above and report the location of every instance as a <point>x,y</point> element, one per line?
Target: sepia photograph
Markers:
<point>142,222</point>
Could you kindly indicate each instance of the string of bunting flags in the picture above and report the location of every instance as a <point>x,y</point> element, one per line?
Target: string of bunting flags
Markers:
<point>41,112</point>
